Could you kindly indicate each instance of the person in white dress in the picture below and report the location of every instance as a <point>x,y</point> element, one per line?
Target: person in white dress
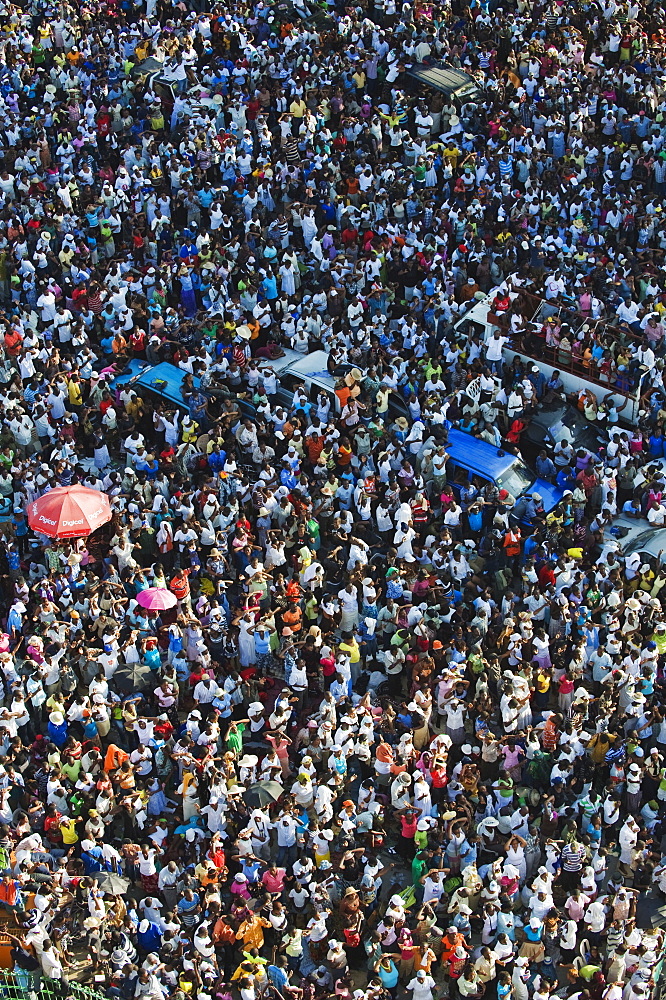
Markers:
<point>246,651</point>
<point>309,227</point>
<point>515,855</point>
<point>422,799</point>
<point>403,539</point>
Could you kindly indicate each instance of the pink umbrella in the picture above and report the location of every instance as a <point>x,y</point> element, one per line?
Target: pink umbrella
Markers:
<point>156,599</point>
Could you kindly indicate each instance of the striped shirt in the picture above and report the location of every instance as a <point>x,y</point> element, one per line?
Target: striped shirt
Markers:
<point>572,858</point>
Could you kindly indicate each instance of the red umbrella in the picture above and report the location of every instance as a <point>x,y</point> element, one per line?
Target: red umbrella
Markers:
<point>69,512</point>
<point>156,599</point>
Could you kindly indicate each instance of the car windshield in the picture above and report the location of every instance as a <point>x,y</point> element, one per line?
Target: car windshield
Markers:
<point>640,542</point>
<point>517,479</point>
<point>570,418</point>
<point>583,434</point>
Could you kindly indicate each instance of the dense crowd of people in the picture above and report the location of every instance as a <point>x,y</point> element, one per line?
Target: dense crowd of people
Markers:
<point>397,737</point>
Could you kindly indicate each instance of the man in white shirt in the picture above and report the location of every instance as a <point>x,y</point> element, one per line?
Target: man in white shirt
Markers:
<point>421,986</point>
<point>348,598</point>
<point>433,886</point>
<point>494,352</point>
<point>206,691</point>
<point>627,839</point>
<point>656,514</point>
<point>563,454</point>
<point>285,827</point>
<point>540,904</point>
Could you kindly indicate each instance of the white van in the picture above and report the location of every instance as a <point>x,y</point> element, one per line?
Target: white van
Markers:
<point>478,317</point>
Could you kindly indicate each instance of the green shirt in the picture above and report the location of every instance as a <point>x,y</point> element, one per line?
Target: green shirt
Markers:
<point>419,869</point>
<point>505,787</point>
<point>235,739</point>
<point>587,971</point>
<point>421,838</point>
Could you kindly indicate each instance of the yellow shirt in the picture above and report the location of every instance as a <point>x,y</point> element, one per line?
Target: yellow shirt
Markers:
<point>451,154</point>
<point>352,649</point>
<point>68,830</point>
<point>134,407</point>
<point>75,397</point>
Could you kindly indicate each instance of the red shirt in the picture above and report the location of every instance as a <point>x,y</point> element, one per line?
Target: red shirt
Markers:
<point>52,828</point>
<point>79,298</point>
<point>439,777</point>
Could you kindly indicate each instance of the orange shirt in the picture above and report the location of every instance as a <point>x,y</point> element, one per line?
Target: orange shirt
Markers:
<point>13,342</point>
<point>292,618</point>
<point>8,892</point>
<point>180,585</point>
<point>343,394</point>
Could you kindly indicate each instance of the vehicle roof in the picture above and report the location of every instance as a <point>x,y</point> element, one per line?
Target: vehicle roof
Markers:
<point>133,369</point>
<point>313,365</point>
<point>312,368</point>
<point>446,79</point>
<point>167,373</point>
<point>477,455</point>
<point>278,365</point>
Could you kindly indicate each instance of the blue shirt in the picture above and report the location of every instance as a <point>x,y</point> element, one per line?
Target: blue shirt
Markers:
<point>288,479</point>
<point>93,860</point>
<point>57,734</point>
<point>150,940</point>
<point>530,545</point>
<point>20,525</point>
<point>14,620</point>
<point>277,976</point>
<point>389,979</point>
<point>269,286</point>
<point>216,460</point>
<point>545,467</point>
<point>251,870</point>
<point>152,659</point>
